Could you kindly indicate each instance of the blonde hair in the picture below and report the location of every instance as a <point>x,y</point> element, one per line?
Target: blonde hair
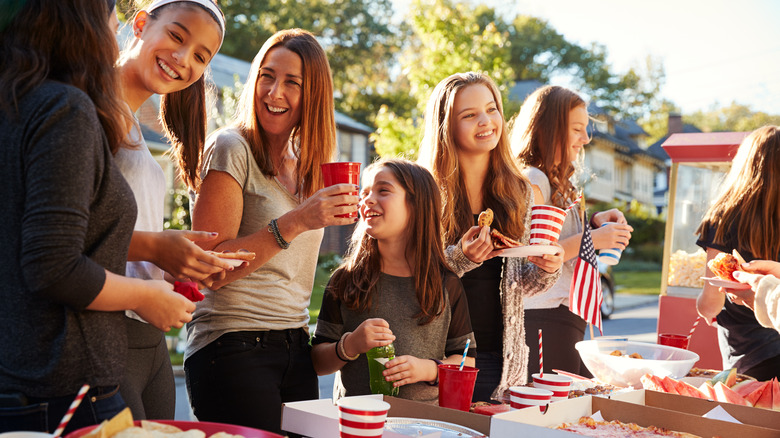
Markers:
<point>539,138</point>
<point>314,139</point>
<point>749,201</point>
<point>505,190</point>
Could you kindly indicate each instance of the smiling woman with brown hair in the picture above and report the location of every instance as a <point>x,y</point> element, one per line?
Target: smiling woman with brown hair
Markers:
<point>248,345</point>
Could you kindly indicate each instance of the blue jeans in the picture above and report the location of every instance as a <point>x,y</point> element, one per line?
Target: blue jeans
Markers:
<point>44,414</point>
<point>244,377</point>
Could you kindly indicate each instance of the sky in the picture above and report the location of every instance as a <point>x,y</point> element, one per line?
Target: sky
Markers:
<point>714,52</point>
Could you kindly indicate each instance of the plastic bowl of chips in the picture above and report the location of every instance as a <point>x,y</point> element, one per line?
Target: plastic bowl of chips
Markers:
<point>602,359</point>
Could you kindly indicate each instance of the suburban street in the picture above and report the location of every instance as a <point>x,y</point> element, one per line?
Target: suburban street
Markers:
<point>635,316</point>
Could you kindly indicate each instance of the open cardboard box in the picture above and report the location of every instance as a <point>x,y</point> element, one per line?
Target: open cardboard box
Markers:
<point>696,406</point>
<point>532,422</point>
<point>320,418</point>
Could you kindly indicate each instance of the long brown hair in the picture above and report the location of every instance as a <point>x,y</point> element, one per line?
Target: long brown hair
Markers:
<point>315,137</point>
<point>505,190</point>
<point>540,134</point>
<point>68,41</point>
<point>354,283</point>
<point>750,197</point>
<point>183,112</point>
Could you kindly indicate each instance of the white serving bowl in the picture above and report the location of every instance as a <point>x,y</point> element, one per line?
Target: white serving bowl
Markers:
<point>659,360</point>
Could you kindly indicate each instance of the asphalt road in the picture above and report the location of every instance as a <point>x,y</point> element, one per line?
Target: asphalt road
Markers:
<point>635,317</point>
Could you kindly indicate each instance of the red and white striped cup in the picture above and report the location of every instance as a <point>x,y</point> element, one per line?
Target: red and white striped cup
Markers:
<point>546,224</point>
<point>525,397</point>
<point>362,417</point>
<point>559,385</point>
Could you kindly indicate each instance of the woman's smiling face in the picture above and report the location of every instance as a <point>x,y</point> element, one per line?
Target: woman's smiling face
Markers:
<point>279,91</point>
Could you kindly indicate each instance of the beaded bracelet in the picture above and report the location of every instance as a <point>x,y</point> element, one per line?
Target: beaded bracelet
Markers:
<point>341,352</point>
<point>273,228</point>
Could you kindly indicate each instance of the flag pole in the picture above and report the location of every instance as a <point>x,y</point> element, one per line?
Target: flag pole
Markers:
<point>592,336</point>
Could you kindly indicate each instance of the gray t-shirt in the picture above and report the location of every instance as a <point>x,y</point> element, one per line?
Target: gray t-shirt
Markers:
<point>276,296</point>
<point>558,294</point>
<point>395,301</point>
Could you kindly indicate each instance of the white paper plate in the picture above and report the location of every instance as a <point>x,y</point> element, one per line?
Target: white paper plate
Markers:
<point>717,282</point>
<point>529,250</point>
<point>418,427</point>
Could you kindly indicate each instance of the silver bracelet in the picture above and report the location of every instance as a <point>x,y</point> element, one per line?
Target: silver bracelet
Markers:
<point>273,228</point>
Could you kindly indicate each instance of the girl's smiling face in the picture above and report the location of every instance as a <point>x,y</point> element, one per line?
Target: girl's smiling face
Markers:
<point>173,48</point>
<point>478,122</point>
<point>577,133</point>
<point>383,205</point>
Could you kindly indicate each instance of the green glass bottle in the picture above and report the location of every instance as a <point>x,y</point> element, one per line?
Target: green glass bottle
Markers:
<point>377,358</point>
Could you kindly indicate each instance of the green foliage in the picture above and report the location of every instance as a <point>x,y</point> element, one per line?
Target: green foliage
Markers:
<point>180,217</point>
<point>647,240</point>
<point>222,113</point>
<point>735,117</point>
<point>395,135</point>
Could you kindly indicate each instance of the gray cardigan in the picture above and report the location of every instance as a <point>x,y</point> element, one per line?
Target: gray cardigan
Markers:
<point>67,214</point>
<point>520,279</point>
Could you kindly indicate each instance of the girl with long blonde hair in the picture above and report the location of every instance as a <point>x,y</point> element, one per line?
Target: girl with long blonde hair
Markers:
<point>547,138</point>
<point>466,148</point>
<point>248,345</point>
<point>745,217</point>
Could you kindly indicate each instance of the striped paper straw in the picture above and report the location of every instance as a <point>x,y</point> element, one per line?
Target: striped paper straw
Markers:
<point>71,410</point>
<point>695,323</point>
<point>576,201</point>
<point>465,350</point>
<point>541,356</point>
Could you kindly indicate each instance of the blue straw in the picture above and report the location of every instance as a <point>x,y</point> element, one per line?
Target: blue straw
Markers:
<point>465,350</point>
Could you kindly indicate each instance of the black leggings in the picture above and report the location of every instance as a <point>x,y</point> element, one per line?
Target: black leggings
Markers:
<point>244,377</point>
<point>561,329</point>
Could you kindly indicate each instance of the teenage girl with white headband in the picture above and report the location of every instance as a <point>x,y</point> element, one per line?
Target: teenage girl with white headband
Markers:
<point>173,43</point>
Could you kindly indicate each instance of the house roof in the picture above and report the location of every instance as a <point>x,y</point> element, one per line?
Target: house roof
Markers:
<point>657,151</point>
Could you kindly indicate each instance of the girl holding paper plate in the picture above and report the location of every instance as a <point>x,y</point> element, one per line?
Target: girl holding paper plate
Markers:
<point>547,137</point>
<point>745,217</point>
<point>465,146</point>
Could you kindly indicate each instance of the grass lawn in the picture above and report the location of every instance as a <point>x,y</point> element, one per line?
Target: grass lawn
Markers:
<point>638,282</point>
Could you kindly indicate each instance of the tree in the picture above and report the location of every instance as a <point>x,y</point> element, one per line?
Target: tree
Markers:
<point>735,117</point>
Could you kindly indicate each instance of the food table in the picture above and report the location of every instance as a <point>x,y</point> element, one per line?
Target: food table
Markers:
<point>699,163</point>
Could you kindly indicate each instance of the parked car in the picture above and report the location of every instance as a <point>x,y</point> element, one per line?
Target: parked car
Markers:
<point>608,290</point>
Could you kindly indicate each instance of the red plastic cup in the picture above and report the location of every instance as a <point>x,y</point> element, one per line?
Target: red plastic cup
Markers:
<point>546,224</point>
<point>521,397</point>
<point>672,340</point>
<point>362,417</point>
<point>341,173</point>
<point>456,386</point>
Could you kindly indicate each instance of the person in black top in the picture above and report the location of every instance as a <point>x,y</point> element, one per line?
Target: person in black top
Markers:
<point>745,217</point>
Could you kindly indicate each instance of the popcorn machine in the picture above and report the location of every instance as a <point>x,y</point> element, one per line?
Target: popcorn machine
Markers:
<point>699,163</point>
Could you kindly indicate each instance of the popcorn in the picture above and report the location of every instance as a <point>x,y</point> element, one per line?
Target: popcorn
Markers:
<point>686,269</point>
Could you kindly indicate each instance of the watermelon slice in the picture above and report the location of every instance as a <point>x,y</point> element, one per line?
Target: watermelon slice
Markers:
<point>708,390</point>
<point>690,390</point>
<point>649,383</point>
<point>754,396</point>
<point>725,394</point>
<point>745,387</point>
<point>775,394</point>
<point>491,410</point>
<point>669,385</point>
<point>765,398</point>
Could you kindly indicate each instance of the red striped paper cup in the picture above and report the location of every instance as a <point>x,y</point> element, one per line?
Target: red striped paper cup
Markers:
<point>362,417</point>
<point>523,397</point>
<point>546,224</point>
<point>559,385</point>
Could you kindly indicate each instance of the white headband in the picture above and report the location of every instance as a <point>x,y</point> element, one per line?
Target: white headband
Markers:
<point>208,4</point>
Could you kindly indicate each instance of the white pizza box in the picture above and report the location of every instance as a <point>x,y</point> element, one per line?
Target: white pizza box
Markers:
<point>320,418</point>
<point>696,406</point>
<point>531,422</point>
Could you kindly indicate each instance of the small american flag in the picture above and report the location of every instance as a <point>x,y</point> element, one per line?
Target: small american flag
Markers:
<point>585,295</point>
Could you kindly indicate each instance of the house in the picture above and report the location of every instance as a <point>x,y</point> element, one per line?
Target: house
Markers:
<point>352,139</point>
<point>619,164</point>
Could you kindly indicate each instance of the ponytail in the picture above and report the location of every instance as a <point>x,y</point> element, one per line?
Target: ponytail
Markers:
<point>183,117</point>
